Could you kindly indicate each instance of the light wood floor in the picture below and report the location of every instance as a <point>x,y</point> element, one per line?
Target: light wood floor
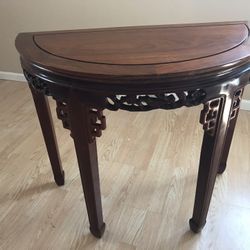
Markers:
<point>148,170</point>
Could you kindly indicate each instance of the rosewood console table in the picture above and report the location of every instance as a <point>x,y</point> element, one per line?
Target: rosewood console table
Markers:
<point>138,69</point>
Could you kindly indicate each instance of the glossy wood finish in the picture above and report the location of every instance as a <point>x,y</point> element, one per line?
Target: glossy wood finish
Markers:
<point>127,46</point>
<point>216,57</point>
<point>44,115</point>
<point>210,159</point>
<point>88,163</point>
<point>228,140</point>
<point>142,69</point>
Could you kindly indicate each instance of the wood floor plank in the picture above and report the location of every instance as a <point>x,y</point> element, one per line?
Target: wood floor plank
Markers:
<point>148,169</point>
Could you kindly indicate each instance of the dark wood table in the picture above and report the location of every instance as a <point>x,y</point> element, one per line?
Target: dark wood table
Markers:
<point>138,69</point>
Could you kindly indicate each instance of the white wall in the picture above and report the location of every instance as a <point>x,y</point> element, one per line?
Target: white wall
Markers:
<point>33,15</point>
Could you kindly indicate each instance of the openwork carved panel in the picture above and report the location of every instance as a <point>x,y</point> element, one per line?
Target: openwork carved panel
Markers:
<point>156,101</point>
<point>97,123</point>
<point>210,114</point>
<point>236,103</point>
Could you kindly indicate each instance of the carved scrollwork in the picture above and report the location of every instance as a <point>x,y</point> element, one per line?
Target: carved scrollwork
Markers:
<point>236,103</point>
<point>155,101</point>
<point>37,83</point>
<point>97,123</point>
<point>209,115</point>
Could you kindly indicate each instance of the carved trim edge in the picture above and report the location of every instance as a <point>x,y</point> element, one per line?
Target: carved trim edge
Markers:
<point>37,83</point>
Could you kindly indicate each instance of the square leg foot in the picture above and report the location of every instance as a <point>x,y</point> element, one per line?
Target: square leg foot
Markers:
<point>195,227</point>
<point>222,168</point>
<point>59,179</point>
<point>98,233</point>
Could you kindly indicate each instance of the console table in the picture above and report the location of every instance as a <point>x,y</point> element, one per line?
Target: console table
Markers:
<point>138,69</point>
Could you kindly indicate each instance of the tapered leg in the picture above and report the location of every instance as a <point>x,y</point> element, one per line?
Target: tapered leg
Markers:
<point>229,137</point>
<point>230,130</point>
<point>80,120</point>
<point>214,117</point>
<point>46,122</point>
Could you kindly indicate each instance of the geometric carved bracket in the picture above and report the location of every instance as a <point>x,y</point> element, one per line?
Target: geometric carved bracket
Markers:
<point>209,115</point>
<point>63,113</point>
<point>97,123</point>
<point>236,103</point>
<point>96,119</point>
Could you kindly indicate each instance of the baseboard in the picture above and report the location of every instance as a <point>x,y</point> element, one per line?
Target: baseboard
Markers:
<point>245,105</point>
<point>12,76</point>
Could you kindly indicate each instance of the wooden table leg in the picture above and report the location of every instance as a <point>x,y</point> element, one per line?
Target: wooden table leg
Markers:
<point>214,117</point>
<point>229,137</point>
<point>88,164</point>
<point>230,131</point>
<point>46,122</point>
